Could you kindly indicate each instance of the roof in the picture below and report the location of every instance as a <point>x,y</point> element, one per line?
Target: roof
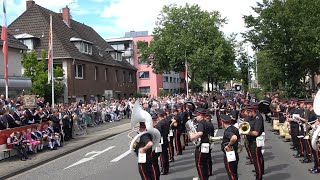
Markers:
<point>13,42</point>
<point>36,21</point>
<point>24,36</point>
<point>119,39</point>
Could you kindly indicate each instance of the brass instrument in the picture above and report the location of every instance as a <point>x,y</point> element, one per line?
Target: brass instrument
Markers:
<point>315,139</point>
<point>140,115</point>
<point>191,130</point>
<point>244,128</point>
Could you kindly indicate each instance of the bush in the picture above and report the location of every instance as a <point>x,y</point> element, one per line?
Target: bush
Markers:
<point>139,95</point>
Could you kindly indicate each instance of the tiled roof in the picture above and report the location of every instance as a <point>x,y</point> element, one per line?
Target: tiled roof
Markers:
<point>35,21</point>
<point>13,42</point>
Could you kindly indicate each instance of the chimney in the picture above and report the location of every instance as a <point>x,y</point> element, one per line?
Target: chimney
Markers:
<point>29,4</point>
<point>66,15</point>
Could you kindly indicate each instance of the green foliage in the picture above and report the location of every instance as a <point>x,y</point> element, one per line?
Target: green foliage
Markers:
<point>196,86</point>
<point>270,76</point>
<point>164,93</point>
<point>37,71</point>
<point>244,65</point>
<point>289,31</point>
<point>259,93</point>
<point>188,33</point>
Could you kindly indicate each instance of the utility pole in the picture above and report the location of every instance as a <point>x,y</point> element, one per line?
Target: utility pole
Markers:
<point>248,66</point>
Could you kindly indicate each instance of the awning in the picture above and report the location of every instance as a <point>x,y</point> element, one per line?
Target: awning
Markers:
<point>17,83</point>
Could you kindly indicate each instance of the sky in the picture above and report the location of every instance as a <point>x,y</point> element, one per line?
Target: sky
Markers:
<point>112,18</point>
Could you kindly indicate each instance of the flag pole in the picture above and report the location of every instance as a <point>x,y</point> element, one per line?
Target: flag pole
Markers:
<point>52,78</point>
<point>186,78</point>
<point>4,38</point>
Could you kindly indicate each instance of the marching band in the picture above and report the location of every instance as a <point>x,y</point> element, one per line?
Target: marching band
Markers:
<point>243,124</point>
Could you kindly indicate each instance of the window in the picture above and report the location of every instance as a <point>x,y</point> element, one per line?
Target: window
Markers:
<point>174,80</point>
<point>144,90</point>
<point>171,79</point>
<point>124,77</point>
<point>144,75</point>
<point>165,78</point>
<point>29,43</point>
<point>106,74</point>
<point>78,71</point>
<point>130,76</point>
<point>117,77</point>
<point>86,48</point>
<point>95,73</point>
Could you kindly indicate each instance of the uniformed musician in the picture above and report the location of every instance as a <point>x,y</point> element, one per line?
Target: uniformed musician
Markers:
<point>257,128</point>
<point>316,154</point>
<point>163,127</point>
<point>231,138</point>
<point>156,153</point>
<point>202,151</point>
<point>145,146</point>
<point>170,135</point>
<point>211,133</point>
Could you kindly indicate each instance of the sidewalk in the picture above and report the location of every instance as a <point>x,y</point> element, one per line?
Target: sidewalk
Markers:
<point>13,166</point>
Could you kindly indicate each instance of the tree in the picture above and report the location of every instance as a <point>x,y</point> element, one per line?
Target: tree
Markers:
<point>244,65</point>
<point>290,31</point>
<point>37,71</point>
<point>270,75</point>
<point>187,33</point>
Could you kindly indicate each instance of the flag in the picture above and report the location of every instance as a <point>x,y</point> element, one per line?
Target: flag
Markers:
<point>186,72</point>
<point>4,38</point>
<point>50,60</point>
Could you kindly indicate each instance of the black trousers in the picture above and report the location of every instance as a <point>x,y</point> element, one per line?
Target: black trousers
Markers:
<point>164,158</point>
<point>232,167</point>
<point>201,163</point>
<point>316,159</point>
<point>258,160</point>
<point>146,171</point>
<point>171,148</point>
<point>21,151</point>
<point>249,153</point>
<point>294,137</point>
<point>209,163</point>
<point>308,148</point>
<point>218,119</point>
<point>177,141</point>
<point>155,164</point>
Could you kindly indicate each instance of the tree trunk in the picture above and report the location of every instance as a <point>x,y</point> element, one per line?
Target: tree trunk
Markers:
<point>313,83</point>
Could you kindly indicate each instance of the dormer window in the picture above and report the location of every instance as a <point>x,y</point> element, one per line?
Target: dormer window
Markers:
<point>28,40</point>
<point>83,46</point>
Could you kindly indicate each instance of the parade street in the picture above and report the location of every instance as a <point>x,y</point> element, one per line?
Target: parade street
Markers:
<point>110,159</point>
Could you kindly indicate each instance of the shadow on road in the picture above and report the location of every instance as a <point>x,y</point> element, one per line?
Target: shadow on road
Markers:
<point>277,176</point>
<point>276,168</point>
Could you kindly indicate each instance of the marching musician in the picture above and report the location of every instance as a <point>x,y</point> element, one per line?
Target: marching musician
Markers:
<point>177,123</point>
<point>170,135</point>
<point>145,146</point>
<point>202,151</point>
<point>316,154</point>
<point>230,141</point>
<point>257,128</point>
<point>310,117</point>
<point>211,133</point>
<point>163,128</point>
<point>156,153</point>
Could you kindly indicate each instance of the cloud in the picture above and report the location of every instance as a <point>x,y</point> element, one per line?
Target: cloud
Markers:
<point>142,14</point>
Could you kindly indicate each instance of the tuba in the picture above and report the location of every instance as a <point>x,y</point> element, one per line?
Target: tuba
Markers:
<point>140,115</point>
<point>191,130</point>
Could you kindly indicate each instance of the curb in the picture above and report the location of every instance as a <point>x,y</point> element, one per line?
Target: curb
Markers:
<point>44,161</point>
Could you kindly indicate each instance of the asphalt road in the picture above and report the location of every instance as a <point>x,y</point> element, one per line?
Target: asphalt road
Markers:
<point>110,160</point>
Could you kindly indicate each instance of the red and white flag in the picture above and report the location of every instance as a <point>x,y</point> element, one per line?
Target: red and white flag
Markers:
<point>50,60</point>
<point>186,72</point>
<point>4,38</point>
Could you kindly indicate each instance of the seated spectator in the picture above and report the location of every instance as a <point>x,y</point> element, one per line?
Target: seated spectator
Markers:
<point>34,143</point>
<point>12,122</point>
<point>38,134</point>
<point>48,136</point>
<point>15,142</point>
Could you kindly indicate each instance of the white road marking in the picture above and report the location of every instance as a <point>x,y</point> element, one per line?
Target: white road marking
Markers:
<point>121,156</point>
<point>215,132</point>
<point>96,153</point>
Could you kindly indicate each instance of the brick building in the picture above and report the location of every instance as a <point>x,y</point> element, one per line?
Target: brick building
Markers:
<point>92,68</point>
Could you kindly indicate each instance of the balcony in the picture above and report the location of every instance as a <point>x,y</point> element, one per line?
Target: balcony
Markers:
<point>127,53</point>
